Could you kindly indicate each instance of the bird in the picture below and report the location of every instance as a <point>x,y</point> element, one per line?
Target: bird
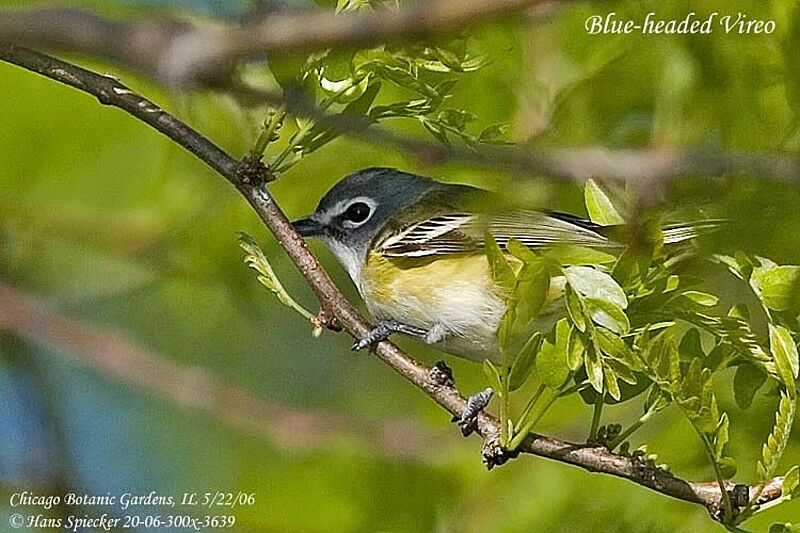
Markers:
<point>415,249</point>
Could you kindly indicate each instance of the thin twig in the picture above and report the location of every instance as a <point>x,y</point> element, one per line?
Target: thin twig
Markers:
<point>726,507</point>
<point>630,430</point>
<point>249,181</point>
<point>597,413</point>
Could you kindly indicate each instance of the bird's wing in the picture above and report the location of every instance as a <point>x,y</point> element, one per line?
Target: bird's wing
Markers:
<point>464,232</point>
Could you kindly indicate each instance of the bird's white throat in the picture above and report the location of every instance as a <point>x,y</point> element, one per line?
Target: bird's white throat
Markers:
<point>350,258</point>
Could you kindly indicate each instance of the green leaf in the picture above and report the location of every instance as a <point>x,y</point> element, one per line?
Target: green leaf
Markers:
<point>361,105</point>
<point>505,331</point>
<point>693,381</point>
<point>746,382</point>
<point>321,135</point>
<point>702,298</point>
<point>614,347</point>
<point>600,207</point>
<point>611,345</point>
<point>607,315</point>
<point>255,259</point>
<point>778,287</point>
<point>551,364</point>
<point>434,66</point>
<point>673,282</point>
<point>592,283</point>
<point>668,362</point>
<point>727,467</point>
<point>730,329</point>
<point>740,310</point>
<point>573,254</point>
<point>435,129</point>
<point>703,417</point>
<point>521,252</point>
<point>456,118</point>
<point>447,57</point>
<point>629,267</point>
<point>403,77</point>
<point>492,375</point>
<point>594,369</point>
<point>445,87</point>
<point>370,59</point>
<point>690,346</point>
<point>611,383</point>
<point>523,362</point>
<point>624,374</point>
<point>575,309</point>
<point>656,400</point>
<point>411,108</point>
<point>530,293</point>
<point>773,448</point>
<point>791,484</point>
<point>575,347</point>
<point>474,63</point>
<point>786,527</point>
<point>502,273</point>
<point>493,131</point>
<point>285,68</point>
<point>345,90</point>
<point>784,351</point>
<point>720,440</point>
<point>722,436</point>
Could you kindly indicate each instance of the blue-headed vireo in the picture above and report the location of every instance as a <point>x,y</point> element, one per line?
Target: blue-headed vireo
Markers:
<point>414,247</point>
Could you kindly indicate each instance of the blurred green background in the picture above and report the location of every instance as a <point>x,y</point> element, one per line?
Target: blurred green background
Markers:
<point>111,225</point>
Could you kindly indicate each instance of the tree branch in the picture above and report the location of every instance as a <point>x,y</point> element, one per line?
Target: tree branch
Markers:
<point>249,177</point>
<point>651,171</point>
<point>647,169</point>
<point>181,53</point>
<point>197,389</point>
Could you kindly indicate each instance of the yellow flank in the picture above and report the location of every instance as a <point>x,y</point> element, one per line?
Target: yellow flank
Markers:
<point>454,294</point>
<point>451,295</point>
<point>387,281</point>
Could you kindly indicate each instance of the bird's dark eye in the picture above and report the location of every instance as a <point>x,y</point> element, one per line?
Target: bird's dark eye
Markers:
<point>357,212</point>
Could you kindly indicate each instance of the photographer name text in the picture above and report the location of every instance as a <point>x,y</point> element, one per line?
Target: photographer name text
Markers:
<point>739,23</point>
<point>192,511</point>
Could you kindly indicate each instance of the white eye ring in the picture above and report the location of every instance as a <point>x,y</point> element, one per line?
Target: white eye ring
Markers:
<point>360,209</point>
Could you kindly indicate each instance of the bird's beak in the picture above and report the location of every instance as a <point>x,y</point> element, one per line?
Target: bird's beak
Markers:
<point>307,227</point>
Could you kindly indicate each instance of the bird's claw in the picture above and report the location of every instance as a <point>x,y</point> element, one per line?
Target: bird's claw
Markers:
<point>381,332</point>
<point>475,405</point>
<point>377,334</point>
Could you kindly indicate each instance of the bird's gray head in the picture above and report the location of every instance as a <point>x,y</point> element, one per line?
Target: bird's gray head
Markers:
<point>355,210</point>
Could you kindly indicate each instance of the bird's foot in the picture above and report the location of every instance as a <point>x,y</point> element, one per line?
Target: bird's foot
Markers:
<point>475,406</point>
<point>383,329</point>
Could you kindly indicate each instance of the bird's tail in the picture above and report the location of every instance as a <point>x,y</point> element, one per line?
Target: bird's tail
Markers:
<point>686,231</point>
